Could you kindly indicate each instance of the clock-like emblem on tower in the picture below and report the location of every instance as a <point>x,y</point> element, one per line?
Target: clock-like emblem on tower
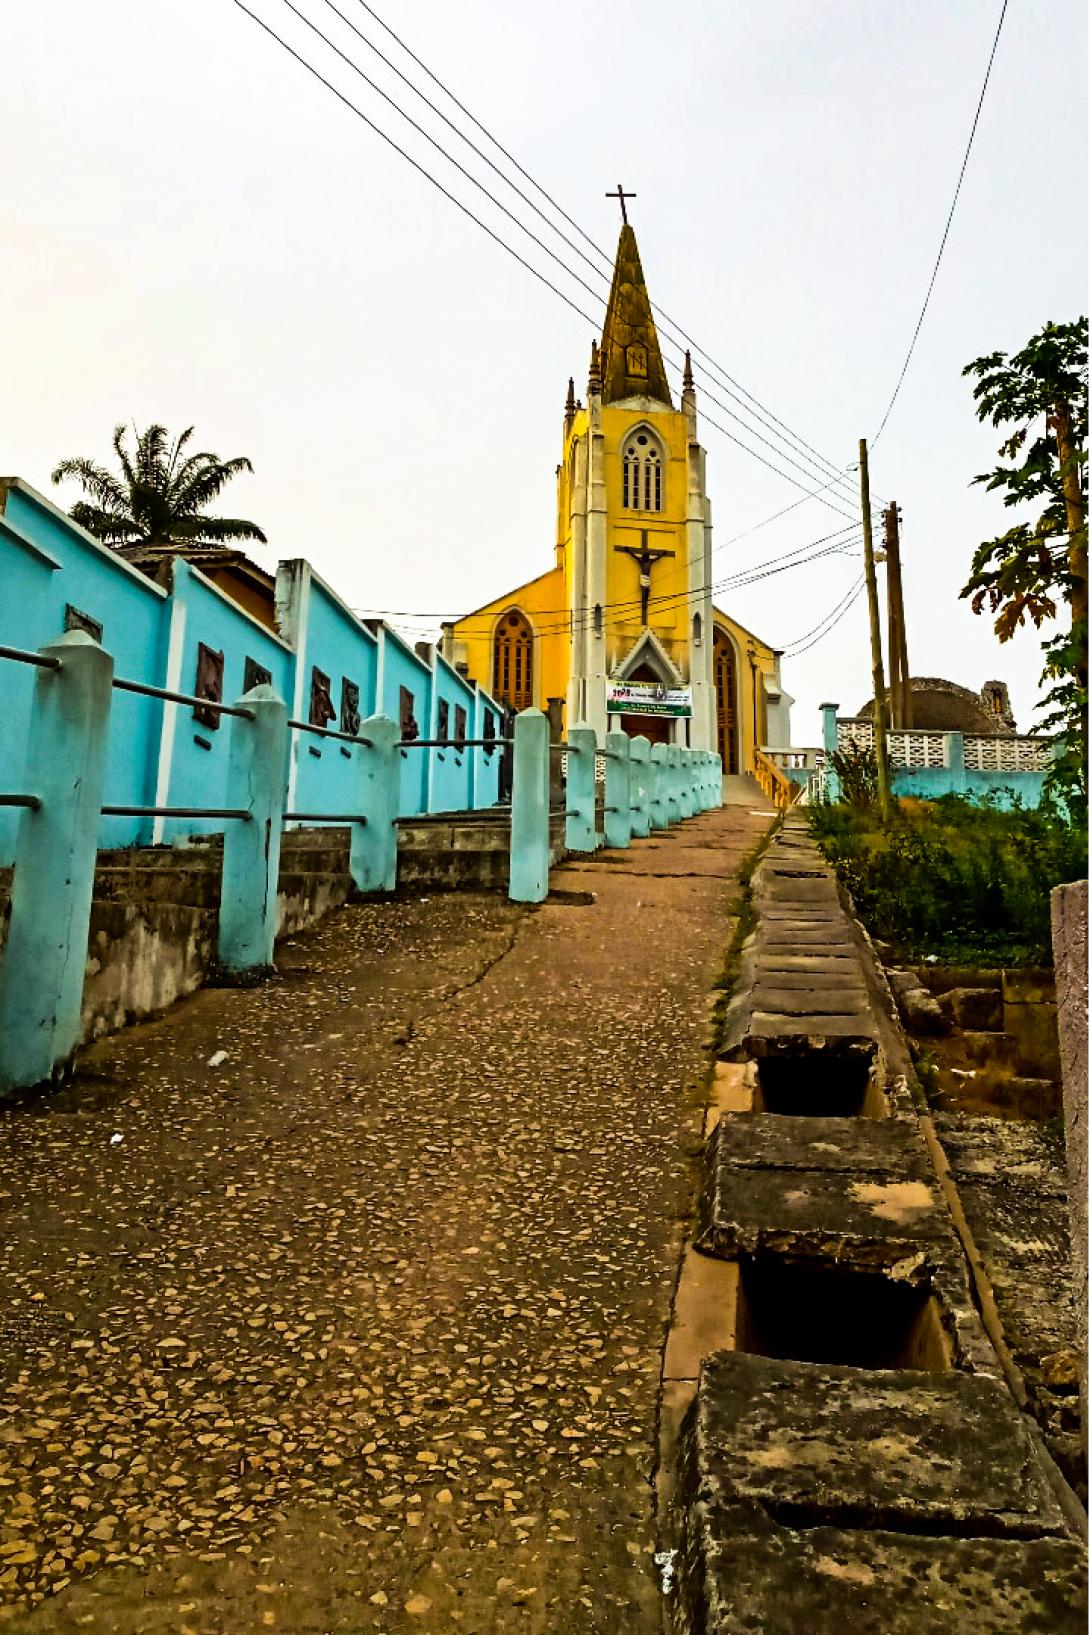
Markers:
<point>636,361</point>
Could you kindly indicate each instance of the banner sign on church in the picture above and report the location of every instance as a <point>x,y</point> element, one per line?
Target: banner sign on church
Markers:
<point>647,698</point>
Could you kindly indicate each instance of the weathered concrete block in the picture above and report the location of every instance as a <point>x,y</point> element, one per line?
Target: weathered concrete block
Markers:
<point>741,1571</point>
<point>978,1008</point>
<point>850,1447</point>
<point>920,1012</point>
<point>1029,1017</point>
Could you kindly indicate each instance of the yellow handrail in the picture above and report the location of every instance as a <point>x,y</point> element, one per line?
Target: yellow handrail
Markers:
<point>780,789</point>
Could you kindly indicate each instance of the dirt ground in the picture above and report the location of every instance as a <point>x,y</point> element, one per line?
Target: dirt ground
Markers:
<point>338,1304</point>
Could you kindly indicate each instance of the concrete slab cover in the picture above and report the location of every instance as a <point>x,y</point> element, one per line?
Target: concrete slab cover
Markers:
<point>757,1575</point>
<point>861,1145</point>
<point>821,1213</point>
<point>904,1450</point>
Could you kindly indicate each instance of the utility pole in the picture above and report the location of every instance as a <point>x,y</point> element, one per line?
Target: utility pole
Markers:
<point>900,688</point>
<point>885,799</point>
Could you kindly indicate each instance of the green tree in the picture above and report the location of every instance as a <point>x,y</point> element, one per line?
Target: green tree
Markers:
<point>1041,394</point>
<point>160,495</point>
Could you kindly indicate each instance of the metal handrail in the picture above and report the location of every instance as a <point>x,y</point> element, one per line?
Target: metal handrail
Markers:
<point>453,743</point>
<point>31,802</point>
<point>178,812</point>
<point>147,691</point>
<point>21,656</point>
<point>331,732</point>
<point>324,817</point>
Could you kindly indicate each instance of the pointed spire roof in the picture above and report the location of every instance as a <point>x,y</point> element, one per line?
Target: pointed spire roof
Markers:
<point>631,360</point>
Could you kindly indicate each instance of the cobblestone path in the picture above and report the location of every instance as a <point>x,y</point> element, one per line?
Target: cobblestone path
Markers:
<point>338,1304</point>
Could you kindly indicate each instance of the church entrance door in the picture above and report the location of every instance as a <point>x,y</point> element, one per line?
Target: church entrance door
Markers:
<point>655,728</point>
<point>726,701</point>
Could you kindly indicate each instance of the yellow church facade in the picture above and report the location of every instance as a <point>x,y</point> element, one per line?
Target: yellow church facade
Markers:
<point>622,632</point>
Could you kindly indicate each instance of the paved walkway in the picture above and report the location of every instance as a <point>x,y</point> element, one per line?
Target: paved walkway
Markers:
<point>338,1304</point>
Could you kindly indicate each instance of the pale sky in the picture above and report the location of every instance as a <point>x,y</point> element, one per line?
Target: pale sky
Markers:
<point>198,232</point>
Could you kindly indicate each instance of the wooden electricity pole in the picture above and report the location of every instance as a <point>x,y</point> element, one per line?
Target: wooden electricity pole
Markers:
<point>885,799</point>
<point>900,690</point>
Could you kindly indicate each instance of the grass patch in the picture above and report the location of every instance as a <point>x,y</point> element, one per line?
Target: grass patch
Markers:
<point>960,880</point>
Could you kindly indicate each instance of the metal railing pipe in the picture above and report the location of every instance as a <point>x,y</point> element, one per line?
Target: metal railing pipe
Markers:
<point>147,691</point>
<point>324,817</point>
<point>30,802</point>
<point>330,732</point>
<point>178,812</point>
<point>21,656</point>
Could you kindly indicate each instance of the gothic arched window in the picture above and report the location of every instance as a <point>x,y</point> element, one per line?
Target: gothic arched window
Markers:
<point>513,666</point>
<point>641,473</point>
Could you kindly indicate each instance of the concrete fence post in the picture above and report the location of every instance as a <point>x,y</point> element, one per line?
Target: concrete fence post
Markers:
<point>953,755</point>
<point>529,881</point>
<point>717,780</point>
<point>673,780</point>
<point>659,774</point>
<point>829,744</point>
<point>43,963</point>
<point>257,781</point>
<point>701,801</point>
<point>639,785</point>
<point>580,830</point>
<point>372,857</point>
<point>618,817</point>
<point>686,805</point>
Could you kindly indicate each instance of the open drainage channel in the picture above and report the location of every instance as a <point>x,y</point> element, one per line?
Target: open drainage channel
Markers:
<point>812,1312</point>
<point>818,1085</point>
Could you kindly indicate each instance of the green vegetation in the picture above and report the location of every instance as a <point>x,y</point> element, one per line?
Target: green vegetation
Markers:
<point>159,498</point>
<point>1039,396</point>
<point>954,878</point>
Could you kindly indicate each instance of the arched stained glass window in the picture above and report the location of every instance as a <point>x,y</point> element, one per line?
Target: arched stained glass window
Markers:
<point>641,473</point>
<point>513,666</point>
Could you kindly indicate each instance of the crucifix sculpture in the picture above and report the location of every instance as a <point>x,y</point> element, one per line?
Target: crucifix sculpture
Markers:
<point>621,195</point>
<point>645,558</point>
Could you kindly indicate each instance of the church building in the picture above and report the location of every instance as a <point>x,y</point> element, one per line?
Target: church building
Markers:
<point>622,631</point>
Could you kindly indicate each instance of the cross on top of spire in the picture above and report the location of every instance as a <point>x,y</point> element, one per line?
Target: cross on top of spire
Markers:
<point>621,196</point>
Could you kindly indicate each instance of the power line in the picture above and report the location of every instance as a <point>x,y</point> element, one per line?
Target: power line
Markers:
<point>755,567</point>
<point>569,625</point>
<point>859,589</point>
<point>599,252</point>
<point>946,229</point>
<point>304,62</point>
<point>802,641</point>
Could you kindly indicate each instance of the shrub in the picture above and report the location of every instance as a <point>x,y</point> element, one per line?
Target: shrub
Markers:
<point>955,878</point>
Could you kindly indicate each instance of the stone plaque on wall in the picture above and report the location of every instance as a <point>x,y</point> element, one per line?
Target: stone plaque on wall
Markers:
<point>75,620</point>
<point>209,685</point>
<point>350,707</point>
<point>459,725</point>
<point>443,733</point>
<point>321,703</point>
<point>255,675</point>
<point>409,728</point>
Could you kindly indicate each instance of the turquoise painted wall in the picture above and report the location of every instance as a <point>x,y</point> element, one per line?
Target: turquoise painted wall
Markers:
<point>324,775</point>
<point>1007,789</point>
<point>132,613</point>
<point>451,770</point>
<point>402,668</point>
<point>158,754</point>
<point>198,752</point>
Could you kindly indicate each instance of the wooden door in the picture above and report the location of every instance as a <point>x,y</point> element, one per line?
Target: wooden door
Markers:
<point>726,701</point>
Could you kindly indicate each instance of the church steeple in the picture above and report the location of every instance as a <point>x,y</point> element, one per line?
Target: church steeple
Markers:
<point>631,360</point>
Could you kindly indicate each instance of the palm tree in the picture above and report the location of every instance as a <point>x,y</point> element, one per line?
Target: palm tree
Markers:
<point>160,498</point>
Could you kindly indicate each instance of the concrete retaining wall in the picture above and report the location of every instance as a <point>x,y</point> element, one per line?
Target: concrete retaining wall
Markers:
<point>155,912</point>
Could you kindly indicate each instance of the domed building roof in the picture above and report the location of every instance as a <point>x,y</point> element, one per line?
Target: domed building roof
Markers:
<point>944,706</point>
